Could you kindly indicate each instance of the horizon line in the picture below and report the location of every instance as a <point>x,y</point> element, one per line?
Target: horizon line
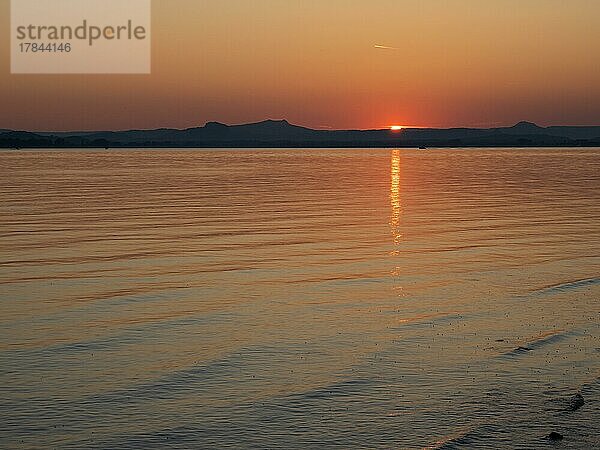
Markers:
<point>479,126</point>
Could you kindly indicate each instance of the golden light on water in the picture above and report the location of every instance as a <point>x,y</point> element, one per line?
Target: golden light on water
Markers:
<point>395,200</point>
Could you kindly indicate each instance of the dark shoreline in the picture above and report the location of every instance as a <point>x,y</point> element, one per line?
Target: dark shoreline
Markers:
<point>298,146</point>
<point>282,134</point>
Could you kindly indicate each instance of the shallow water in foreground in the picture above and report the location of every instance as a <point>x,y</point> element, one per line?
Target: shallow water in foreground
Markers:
<point>299,299</point>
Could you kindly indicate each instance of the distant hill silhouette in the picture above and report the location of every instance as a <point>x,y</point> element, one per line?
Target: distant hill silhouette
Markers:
<point>280,133</point>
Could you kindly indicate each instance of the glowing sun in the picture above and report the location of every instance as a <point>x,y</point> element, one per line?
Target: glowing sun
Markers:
<point>396,127</point>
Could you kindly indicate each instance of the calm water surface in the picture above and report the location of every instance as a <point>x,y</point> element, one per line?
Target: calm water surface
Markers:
<point>299,299</point>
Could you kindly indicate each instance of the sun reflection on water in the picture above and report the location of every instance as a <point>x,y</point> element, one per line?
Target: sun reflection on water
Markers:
<point>395,200</point>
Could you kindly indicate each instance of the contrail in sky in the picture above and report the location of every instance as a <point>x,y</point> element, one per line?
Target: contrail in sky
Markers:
<point>385,47</point>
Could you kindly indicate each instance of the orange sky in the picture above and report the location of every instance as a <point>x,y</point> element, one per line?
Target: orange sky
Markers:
<point>314,62</point>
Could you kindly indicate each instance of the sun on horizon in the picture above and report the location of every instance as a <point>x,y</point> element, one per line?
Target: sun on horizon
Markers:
<point>396,127</point>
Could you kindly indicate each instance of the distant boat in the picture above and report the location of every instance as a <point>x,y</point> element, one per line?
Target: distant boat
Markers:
<point>422,148</point>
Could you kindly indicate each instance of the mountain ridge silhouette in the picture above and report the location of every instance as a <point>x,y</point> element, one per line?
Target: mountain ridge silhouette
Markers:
<point>281,133</point>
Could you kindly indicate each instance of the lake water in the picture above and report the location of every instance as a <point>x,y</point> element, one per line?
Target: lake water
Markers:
<point>299,298</point>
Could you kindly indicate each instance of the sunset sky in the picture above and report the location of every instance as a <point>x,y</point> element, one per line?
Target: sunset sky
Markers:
<point>334,64</point>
